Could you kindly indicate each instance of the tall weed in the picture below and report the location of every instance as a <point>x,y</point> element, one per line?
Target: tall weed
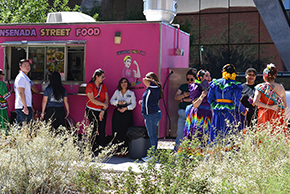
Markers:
<point>34,159</point>
<point>253,162</point>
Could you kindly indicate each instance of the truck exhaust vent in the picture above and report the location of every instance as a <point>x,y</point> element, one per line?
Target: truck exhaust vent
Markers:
<point>160,10</point>
<point>68,17</point>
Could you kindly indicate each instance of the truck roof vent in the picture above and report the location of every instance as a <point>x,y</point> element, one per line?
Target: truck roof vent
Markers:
<point>69,17</point>
<point>160,10</point>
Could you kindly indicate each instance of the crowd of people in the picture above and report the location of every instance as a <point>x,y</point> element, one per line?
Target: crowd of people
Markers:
<point>55,107</point>
<point>207,108</point>
<point>222,107</point>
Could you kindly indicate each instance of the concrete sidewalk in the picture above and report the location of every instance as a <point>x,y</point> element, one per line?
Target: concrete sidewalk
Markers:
<point>121,164</point>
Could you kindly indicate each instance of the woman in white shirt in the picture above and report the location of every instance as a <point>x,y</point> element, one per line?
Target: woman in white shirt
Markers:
<point>125,101</point>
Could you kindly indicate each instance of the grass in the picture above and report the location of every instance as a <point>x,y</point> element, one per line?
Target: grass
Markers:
<point>35,160</point>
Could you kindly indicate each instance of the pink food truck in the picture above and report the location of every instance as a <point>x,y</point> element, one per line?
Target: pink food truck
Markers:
<point>76,50</point>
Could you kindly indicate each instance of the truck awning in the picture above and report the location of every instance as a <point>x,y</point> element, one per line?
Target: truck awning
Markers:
<point>43,43</point>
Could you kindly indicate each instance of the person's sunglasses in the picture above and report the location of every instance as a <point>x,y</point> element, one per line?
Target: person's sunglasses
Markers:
<point>253,75</point>
<point>191,79</point>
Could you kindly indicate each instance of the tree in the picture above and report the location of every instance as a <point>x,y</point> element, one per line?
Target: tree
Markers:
<point>30,11</point>
<point>95,11</point>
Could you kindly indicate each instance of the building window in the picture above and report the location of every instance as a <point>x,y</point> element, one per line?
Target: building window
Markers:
<point>287,4</point>
<point>75,71</point>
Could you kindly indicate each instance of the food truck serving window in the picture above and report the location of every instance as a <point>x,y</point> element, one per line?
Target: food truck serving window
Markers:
<point>68,60</point>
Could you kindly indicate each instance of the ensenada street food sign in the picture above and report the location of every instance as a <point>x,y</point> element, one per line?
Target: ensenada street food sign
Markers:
<point>49,32</point>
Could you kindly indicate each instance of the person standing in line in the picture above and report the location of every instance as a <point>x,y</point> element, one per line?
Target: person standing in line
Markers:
<point>150,108</point>
<point>198,114</point>
<point>248,95</point>
<point>96,106</point>
<point>182,95</point>
<point>3,103</point>
<point>54,97</point>
<point>270,97</point>
<point>23,95</point>
<point>224,97</point>
<point>125,101</point>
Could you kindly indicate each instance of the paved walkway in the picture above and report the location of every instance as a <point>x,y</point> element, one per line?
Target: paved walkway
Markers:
<point>122,164</point>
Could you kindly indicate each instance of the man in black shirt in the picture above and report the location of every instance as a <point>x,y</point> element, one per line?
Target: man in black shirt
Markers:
<point>248,95</point>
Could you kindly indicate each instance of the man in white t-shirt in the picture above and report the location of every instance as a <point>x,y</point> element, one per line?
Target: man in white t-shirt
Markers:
<point>23,95</point>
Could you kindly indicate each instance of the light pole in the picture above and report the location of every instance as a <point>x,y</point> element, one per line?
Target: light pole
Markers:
<point>200,54</point>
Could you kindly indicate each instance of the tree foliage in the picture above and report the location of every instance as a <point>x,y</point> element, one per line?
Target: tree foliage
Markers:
<point>95,11</point>
<point>30,11</point>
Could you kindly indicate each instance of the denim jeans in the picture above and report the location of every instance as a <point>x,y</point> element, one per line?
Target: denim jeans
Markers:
<point>151,122</point>
<point>21,117</point>
<point>180,128</point>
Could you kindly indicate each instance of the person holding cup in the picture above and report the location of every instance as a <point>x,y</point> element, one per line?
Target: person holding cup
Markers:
<point>125,101</point>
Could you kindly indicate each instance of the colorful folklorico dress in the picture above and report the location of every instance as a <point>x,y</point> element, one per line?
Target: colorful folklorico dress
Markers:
<point>4,94</point>
<point>224,97</point>
<point>198,120</point>
<point>276,118</point>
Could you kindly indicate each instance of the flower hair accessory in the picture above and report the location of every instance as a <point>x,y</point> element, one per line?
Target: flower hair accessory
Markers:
<point>270,71</point>
<point>231,76</point>
<point>229,72</point>
<point>199,74</point>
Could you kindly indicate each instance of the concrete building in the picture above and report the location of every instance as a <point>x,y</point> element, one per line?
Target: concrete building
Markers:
<point>227,31</point>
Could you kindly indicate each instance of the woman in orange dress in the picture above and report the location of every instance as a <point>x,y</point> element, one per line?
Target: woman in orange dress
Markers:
<point>270,97</point>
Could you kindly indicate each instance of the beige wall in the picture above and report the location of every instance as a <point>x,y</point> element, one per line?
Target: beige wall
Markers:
<point>190,6</point>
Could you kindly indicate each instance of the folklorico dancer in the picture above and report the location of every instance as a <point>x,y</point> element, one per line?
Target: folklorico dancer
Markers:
<point>270,97</point>
<point>224,97</point>
<point>4,94</point>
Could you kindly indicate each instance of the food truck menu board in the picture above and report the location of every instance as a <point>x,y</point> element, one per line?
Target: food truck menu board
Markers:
<point>54,60</point>
<point>46,60</point>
